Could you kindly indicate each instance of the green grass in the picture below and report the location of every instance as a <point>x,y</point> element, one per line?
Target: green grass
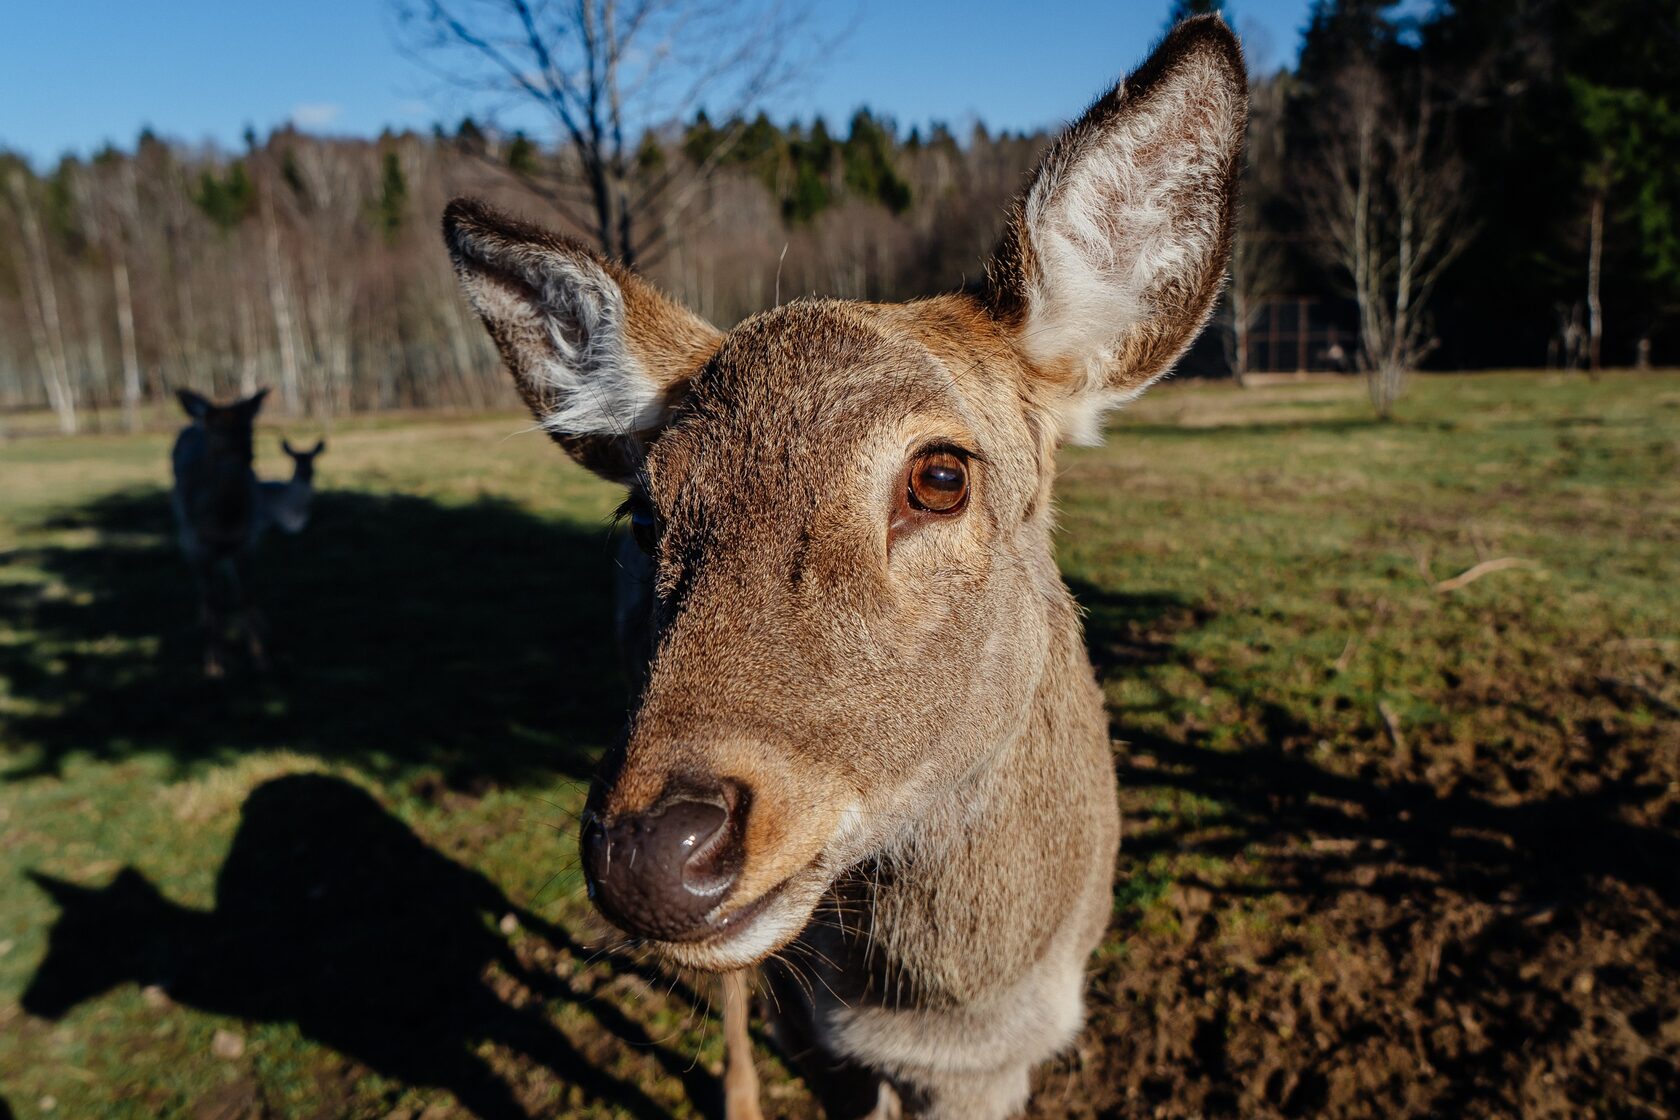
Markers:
<point>1257,570</point>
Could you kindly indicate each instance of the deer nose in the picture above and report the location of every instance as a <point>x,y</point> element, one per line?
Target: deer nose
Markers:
<point>658,874</point>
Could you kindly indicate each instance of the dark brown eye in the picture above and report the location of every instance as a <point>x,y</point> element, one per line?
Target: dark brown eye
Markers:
<point>644,526</point>
<point>939,482</point>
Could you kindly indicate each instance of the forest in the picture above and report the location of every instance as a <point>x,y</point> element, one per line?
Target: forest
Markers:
<point>1476,186</point>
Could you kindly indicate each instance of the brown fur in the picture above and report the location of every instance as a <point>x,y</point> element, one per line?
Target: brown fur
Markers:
<point>932,822</point>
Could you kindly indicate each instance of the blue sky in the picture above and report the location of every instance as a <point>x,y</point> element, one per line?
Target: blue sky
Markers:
<point>74,75</point>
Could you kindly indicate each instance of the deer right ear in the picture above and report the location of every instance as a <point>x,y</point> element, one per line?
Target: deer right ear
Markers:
<point>1116,250</point>
<point>193,404</point>
<point>599,356</point>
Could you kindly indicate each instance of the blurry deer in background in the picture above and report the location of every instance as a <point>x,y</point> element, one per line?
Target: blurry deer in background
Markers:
<point>218,518</point>
<point>868,753</point>
<point>285,505</point>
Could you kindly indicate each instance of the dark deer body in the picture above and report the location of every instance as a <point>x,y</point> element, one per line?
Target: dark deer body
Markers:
<point>285,505</point>
<point>867,746</point>
<point>218,516</point>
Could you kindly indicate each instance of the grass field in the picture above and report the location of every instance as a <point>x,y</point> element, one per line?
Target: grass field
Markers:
<point>1391,849</point>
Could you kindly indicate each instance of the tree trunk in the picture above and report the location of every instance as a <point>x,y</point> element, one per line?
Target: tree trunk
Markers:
<point>1595,254</point>
<point>41,299</point>
<point>290,389</point>
<point>125,335</point>
<point>1239,363</point>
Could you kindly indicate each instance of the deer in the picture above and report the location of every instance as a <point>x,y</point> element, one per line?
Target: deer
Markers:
<point>285,505</point>
<point>218,518</point>
<point>867,755</point>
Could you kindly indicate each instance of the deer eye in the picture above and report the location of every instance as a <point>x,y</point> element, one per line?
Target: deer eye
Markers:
<point>938,483</point>
<point>644,524</point>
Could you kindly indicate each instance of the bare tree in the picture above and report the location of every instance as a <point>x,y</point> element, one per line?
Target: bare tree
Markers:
<point>1259,269</point>
<point>1386,199</point>
<point>109,205</point>
<point>604,71</point>
<point>40,302</point>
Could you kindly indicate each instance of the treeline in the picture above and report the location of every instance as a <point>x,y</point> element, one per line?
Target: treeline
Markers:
<point>1546,132</point>
<point>314,264</point>
<point>1494,184</point>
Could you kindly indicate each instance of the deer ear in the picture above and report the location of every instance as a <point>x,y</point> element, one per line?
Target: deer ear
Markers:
<point>286,446</point>
<point>193,404</point>
<point>320,446</point>
<point>252,404</point>
<point>599,356</point>
<point>1116,250</point>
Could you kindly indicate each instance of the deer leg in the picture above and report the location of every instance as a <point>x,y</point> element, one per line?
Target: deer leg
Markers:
<point>887,1105</point>
<point>250,616</point>
<point>209,618</point>
<point>740,1079</point>
<point>215,659</point>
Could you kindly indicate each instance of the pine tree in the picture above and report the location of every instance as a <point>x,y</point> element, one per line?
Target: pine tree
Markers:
<point>393,198</point>
<point>522,155</point>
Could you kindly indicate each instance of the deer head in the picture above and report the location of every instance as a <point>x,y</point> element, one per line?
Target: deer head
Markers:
<point>104,937</point>
<point>845,507</point>
<point>303,462</point>
<point>227,425</point>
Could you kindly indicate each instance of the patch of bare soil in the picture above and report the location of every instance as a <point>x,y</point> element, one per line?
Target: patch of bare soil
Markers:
<point>1444,931</point>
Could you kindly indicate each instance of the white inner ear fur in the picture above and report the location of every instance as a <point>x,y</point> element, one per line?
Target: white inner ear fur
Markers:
<point>1135,210</point>
<point>582,362</point>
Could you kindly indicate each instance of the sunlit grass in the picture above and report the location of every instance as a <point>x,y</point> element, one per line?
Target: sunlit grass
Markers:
<point>1257,567</point>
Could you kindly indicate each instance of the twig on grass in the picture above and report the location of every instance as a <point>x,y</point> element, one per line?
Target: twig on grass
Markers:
<point>1486,567</point>
<point>1346,658</point>
<point>1391,724</point>
<point>1644,643</point>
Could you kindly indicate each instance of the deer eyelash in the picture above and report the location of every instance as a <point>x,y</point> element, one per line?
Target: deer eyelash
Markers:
<point>947,447</point>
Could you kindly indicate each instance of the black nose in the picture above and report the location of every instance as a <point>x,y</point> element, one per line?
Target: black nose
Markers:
<point>658,874</point>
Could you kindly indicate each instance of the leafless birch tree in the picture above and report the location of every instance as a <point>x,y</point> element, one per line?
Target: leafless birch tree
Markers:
<point>603,71</point>
<point>1258,266</point>
<point>40,303</point>
<point>1386,204</point>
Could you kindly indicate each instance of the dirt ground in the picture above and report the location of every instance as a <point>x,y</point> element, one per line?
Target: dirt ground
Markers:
<point>1402,829</point>
<point>1450,929</point>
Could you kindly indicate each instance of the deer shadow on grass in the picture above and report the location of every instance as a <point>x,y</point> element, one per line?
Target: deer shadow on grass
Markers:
<point>332,915</point>
<point>472,639</point>
<point>1273,793</point>
<point>1465,889</point>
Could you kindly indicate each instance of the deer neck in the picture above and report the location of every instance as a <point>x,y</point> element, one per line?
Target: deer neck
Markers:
<point>959,902</point>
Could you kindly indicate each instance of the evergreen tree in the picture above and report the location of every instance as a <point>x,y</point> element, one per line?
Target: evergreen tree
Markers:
<point>226,200</point>
<point>813,159</point>
<point>393,198</point>
<point>869,171</point>
<point>522,155</point>
<point>650,156</point>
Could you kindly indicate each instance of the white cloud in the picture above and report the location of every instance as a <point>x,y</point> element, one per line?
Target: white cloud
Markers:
<point>317,114</point>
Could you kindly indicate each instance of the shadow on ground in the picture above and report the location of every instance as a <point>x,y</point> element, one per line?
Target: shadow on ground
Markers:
<point>406,633</point>
<point>1356,929</point>
<point>330,914</point>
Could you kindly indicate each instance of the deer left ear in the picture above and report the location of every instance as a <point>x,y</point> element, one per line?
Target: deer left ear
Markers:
<point>192,404</point>
<point>1115,253</point>
<point>598,355</point>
